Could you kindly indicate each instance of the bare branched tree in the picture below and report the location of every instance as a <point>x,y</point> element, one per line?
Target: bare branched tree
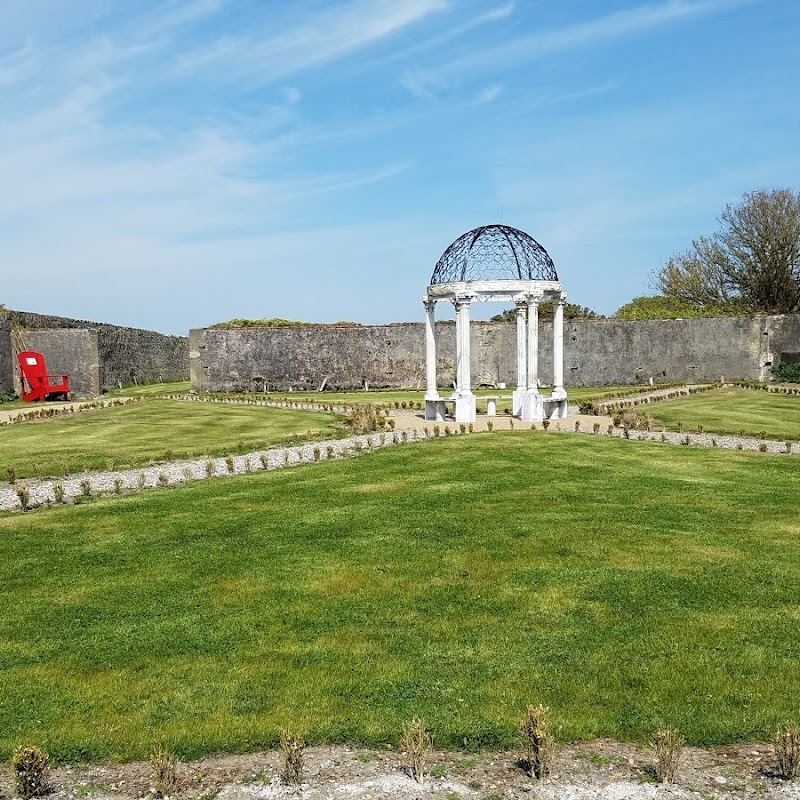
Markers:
<point>752,262</point>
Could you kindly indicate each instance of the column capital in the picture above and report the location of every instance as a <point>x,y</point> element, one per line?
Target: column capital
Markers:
<point>429,303</point>
<point>534,298</point>
<point>463,299</point>
<point>560,299</point>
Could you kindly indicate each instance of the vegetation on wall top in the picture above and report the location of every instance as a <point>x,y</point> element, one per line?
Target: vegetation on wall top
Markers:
<point>273,322</point>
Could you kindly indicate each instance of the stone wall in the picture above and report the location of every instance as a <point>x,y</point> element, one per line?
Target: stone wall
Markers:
<point>73,352</point>
<point>597,352</point>
<point>125,354</point>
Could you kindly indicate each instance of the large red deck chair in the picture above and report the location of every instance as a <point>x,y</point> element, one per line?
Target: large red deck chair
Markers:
<point>32,370</point>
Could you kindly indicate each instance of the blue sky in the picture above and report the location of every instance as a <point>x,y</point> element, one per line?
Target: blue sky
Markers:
<point>172,163</point>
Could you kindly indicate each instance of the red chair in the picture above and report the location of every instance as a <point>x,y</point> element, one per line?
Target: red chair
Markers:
<point>33,370</point>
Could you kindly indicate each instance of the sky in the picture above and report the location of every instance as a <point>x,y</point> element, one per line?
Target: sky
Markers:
<point>168,164</point>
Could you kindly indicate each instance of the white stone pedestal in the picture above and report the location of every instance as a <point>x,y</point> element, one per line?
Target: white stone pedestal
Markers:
<point>516,402</point>
<point>532,407</point>
<point>465,407</point>
<point>434,409</point>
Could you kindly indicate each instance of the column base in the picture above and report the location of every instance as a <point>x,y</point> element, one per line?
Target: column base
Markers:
<point>465,407</point>
<point>434,409</point>
<point>516,402</point>
<point>532,407</point>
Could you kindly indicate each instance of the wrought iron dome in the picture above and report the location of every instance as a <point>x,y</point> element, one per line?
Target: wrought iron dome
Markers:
<point>494,252</point>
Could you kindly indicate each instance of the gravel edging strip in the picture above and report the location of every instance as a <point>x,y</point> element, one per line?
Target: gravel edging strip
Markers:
<point>173,473</point>
<point>42,492</point>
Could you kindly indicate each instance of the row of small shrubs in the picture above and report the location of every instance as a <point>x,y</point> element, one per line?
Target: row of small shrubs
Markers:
<point>31,766</point>
<point>44,412</point>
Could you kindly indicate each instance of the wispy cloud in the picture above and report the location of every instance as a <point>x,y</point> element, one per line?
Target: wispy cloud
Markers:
<point>18,65</point>
<point>330,35</point>
<point>524,49</point>
<point>489,93</point>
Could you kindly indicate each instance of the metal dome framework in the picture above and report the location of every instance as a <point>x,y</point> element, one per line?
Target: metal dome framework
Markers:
<point>497,263</point>
<point>494,252</point>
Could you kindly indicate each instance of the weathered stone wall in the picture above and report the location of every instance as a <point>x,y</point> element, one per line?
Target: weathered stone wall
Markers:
<point>597,352</point>
<point>6,355</point>
<point>73,352</point>
<point>125,354</point>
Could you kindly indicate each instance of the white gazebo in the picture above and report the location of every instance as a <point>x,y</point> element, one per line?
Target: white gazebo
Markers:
<point>497,263</point>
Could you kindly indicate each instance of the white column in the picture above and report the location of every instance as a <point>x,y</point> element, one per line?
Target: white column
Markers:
<point>522,362</point>
<point>465,400</point>
<point>533,344</point>
<point>558,346</point>
<point>431,392</point>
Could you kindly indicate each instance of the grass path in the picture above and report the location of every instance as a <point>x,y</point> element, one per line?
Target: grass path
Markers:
<point>626,585</point>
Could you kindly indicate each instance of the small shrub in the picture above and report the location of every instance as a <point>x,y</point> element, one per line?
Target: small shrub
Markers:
<point>117,485</point>
<point>462,428</point>
<point>262,457</point>
<point>187,473</point>
<point>545,424</point>
<point>762,447</point>
<point>229,463</point>
<point>447,430</point>
<point>663,437</point>
<point>293,748</point>
<point>416,745</point>
<point>329,451</point>
<point>626,432</point>
<point>169,455</point>
<point>211,467</point>
<point>58,492</point>
<point>680,427</point>
<point>713,442</point>
<point>163,479</point>
<point>317,454</point>
<point>538,742</point>
<point>739,446</point>
<point>240,446</point>
<point>511,423</point>
<point>668,746</point>
<point>577,426</point>
<point>470,427</point>
<point>686,440</point>
<point>11,474</point>
<point>436,431</point>
<point>24,497</point>
<point>596,427</point>
<point>141,480</point>
<point>31,768</point>
<point>404,437</point>
<point>165,772</point>
<point>86,487</point>
<point>787,750</point>
<point>610,430</point>
<point>489,425</point>
<point>391,423</point>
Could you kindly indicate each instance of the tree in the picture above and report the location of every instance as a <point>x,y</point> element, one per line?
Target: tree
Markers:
<point>571,311</point>
<point>751,264</point>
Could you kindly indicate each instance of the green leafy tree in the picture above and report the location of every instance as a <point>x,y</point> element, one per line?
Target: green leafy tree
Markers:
<point>571,311</point>
<point>752,263</point>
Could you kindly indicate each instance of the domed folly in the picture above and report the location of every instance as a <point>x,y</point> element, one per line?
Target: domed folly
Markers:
<point>497,263</point>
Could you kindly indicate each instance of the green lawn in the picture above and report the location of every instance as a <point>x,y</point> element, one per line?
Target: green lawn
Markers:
<point>734,411</point>
<point>626,585</point>
<point>151,389</point>
<point>133,434</point>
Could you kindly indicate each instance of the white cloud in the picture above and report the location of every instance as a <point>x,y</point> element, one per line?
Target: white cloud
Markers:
<point>489,93</point>
<point>331,34</point>
<point>511,54</point>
